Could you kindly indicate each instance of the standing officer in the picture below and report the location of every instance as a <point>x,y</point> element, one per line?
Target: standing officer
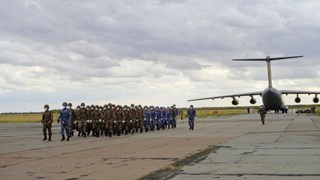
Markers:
<point>47,119</point>
<point>174,114</point>
<point>64,118</point>
<point>262,111</point>
<point>191,116</point>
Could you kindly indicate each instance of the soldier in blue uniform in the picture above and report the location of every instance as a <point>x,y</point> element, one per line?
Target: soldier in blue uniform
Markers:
<point>191,116</point>
<point>146,114</point>
<point>65,118</point>
<point>152,118</point>
<point>163,117</point>
<point>158,117</point>
<point>168,117</point>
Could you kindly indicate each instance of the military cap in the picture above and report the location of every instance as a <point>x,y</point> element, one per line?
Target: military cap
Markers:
<point>46,106</point>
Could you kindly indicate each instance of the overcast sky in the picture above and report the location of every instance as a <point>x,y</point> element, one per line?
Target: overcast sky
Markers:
<point>156,52</point>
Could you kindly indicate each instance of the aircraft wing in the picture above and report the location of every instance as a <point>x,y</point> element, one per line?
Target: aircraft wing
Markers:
<point>286,92</point>
<point>229,96</point>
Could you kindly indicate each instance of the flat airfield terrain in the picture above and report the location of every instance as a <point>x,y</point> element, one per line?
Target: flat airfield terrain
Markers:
<point>234,147</point>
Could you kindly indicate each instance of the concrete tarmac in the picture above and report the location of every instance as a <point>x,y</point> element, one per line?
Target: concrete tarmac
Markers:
<point>287,146</point>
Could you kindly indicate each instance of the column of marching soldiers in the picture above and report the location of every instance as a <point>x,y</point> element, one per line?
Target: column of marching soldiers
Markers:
<point>111,119</point>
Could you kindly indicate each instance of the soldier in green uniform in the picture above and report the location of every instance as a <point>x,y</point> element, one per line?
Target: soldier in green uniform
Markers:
<point>262,111</point>
<point>127,118</point>
<point>96,117</point>
<point>47,119</point>
<point>72,123</point>
<point>83,116</point>
<point>140,117</point>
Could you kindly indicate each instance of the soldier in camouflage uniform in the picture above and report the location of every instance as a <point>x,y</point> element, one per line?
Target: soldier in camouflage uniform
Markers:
<point>96,118</point>
<point>140,117</point>
<point>174,113</point>
<point>103,124</point>
<point>72,120</point>
<point>134,119</point>
<point>83,117</point>
<point>90,110</point>
<point>77,119</point>
<point>47,119</point>
<point>127,118</point>
<point>111,119</point>
<point>119,119</point>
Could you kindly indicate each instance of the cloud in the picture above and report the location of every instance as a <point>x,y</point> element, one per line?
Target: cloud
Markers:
<point>152,51</point>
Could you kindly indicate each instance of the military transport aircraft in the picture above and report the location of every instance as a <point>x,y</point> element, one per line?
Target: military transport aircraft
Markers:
<point>271,97</point>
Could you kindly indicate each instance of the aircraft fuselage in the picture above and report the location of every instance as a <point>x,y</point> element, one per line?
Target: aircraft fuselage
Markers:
<point>272,99</point>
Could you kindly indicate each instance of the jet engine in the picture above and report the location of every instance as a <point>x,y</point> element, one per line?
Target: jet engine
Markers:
<point>316,99</point>
<point>297,99</point>
<point>253,101</point>
<point>235,102</point>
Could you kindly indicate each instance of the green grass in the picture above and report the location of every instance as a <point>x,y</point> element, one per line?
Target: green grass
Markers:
<point>22,118</point>
<point>216,112</point>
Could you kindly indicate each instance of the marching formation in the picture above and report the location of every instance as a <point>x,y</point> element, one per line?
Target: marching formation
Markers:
<point>109,120</point>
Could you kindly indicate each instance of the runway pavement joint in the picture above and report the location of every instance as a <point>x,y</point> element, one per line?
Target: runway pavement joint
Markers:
<point>172,169</point>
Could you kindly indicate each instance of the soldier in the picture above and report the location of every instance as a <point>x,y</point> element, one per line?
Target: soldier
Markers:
<point>139,115</point>
<point>47,119</point>
<point>72,124</point>
<point>83,116</point>
<point>77,119</point>
<point>174,114</point>
<point>168,117</point>
<point>191,116</point>
<point>152,117</point>
<point>262,111</point>
<point>134,119</point>
<point>111,119</point>
<point>89,119</point>
<point>158,117</point>
<point>64,118</point>
<point>127,118</point>
<point>163,117</point>
<point>104,115</point>
<point>119,120</point>
<point>147,117</point>
<point>96,118</point>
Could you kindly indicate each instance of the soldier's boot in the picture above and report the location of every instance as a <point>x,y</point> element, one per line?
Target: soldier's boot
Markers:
<point>62,138</point>
<point>126,133</point>
<point>101,133</point>
<point>141,130</point>
<point>44,137</point>
<point>97,134</point>
<point>79,133</point>
<point>110,134</point>
<point>68,138</point>
<point>85,135</point>
<point>49,138</point>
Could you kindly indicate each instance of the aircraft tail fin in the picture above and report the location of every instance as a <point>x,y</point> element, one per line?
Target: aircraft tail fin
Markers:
<point>268,59</point>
